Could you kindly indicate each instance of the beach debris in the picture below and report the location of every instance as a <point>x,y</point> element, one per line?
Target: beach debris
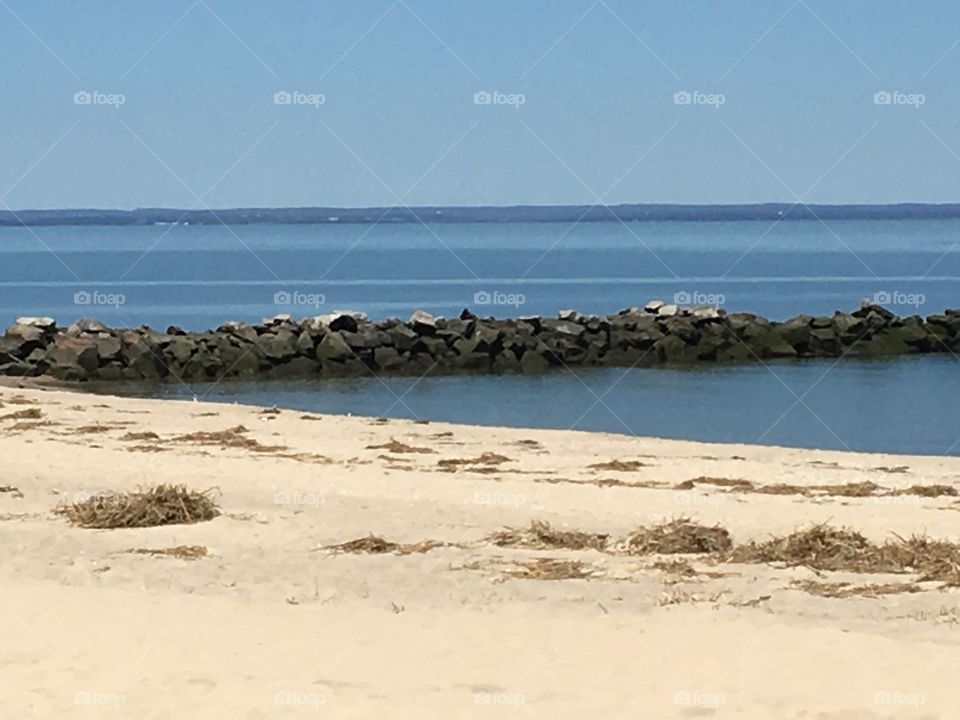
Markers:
<point>395,446</point>
<point>144,435</point>
<point>12,490</point>
<point>619,465</point>
<point>159,505</point>
<point>541,535</point>
<point>25,414</point>
<point>550,569</point>
<point>183,552</point>
<point>822,547</point>
<point>230,438</point>
<point>847,590</point>
<point>680,535</point>
<point>375,545</point>
<point>487,458</point>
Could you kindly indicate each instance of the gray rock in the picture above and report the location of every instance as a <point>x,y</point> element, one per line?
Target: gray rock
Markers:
<point>668,311</point>
<point>652,307</point>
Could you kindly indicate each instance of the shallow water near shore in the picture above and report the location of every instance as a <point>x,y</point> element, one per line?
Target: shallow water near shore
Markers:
<point>893,406</point>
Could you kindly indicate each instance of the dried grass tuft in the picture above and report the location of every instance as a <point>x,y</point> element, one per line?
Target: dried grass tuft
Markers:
<point>487,458</point>
<point>374,545</point>
<point>550,569</point>
<point>160,505</point>
<point>822,547</point>
<point>680,535</point>
<point>183,552</point>
<point>541,535</point>
<point>619,465</point>
<point>395,446</point>
<point>27,414</point>
<point>929,490</point>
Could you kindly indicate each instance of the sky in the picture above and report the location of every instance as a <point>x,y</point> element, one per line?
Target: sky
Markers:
<point>236,103</point>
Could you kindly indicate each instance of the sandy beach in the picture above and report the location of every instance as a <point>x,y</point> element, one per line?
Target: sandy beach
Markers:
<point>449,620</point>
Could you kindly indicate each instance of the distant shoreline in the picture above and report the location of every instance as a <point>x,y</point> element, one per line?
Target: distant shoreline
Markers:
<point>465,214</point>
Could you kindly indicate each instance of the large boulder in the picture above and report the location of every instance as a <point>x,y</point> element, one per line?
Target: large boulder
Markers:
<point>71,358</point>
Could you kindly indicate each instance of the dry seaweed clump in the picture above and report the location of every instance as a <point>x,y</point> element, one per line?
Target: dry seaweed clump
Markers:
<point>160,505</point>
<point>374,545</point>
<point>822,547</point>
<point>182,552</point>
<point>541,535</point>
<point>678,536</point>
<point>551,569</point>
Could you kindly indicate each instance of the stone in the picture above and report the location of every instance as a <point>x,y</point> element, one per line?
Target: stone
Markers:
<point>278,345</point>
<point>387,358</point>
<point>73,358</point>
<point>466,314</point>
<point>423,322</point>
<point>333,347</point>
<point>108,347</point>
<point>651,307</point>
<point>668,311</point>
<point>47,324</point>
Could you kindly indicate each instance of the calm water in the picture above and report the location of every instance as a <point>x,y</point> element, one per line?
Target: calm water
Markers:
<point>890,406</point>
<point>200,276</point>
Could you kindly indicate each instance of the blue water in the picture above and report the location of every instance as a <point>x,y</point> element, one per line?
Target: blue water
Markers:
<point>896,406</point>
<point>198,277</point>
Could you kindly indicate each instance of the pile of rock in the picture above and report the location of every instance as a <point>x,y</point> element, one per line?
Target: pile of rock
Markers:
<point>348,344</point>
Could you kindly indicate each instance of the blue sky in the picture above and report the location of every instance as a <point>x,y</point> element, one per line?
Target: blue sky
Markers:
<point>399,124</point>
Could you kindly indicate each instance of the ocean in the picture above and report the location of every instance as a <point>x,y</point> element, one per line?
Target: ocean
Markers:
<point>200,276</point>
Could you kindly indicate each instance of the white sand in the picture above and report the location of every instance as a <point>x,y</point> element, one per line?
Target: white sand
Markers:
<point>272,625</point>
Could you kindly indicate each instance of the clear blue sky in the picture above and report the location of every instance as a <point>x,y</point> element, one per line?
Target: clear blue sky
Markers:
<point>399,119</point>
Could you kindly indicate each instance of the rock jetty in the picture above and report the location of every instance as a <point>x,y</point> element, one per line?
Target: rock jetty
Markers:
<point>348,344</point>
